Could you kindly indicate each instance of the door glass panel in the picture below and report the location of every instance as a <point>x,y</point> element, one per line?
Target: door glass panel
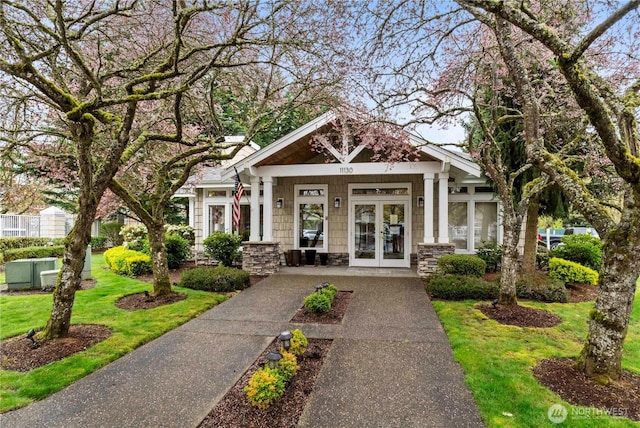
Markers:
<point>216,218</point>
<point>393,231</point>
<point>311,221</point>
<point>365,231</point>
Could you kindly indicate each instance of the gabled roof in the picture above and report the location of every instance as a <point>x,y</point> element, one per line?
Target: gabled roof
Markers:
<point>295,148</point>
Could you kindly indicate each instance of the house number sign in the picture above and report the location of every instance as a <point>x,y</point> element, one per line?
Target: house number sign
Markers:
<point>346,170</point>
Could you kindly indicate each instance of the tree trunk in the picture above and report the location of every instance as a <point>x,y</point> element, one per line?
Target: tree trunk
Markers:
<point>509,271</point>
<point>602,353</point>
<point>161,281</point>
<point>531,238</point>
<point>72,265</point>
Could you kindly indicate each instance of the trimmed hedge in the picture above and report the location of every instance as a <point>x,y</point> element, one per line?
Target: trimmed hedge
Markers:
<point>217,279</point>
<point>33,252</point>
<point>568,272</point>
<point>19,242</point>
<point>222,247</point>
<point>461,287</point>
<point>127,262</point>
<point>462,264</point>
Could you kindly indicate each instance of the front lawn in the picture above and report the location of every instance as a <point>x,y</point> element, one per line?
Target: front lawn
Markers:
<point>19,313</point>
<point>498,360</point>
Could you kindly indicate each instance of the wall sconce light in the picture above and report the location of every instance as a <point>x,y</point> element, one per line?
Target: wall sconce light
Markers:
<point>279,203</point>
<point>421,201</point>
<point>337,202</point>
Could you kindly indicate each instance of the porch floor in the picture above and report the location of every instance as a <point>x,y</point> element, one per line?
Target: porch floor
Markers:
<point>349,271</point>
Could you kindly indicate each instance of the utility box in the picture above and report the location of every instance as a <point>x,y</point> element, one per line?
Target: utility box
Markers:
<point>19,274</point>
<point>25,273</point>
<point>48,279</point>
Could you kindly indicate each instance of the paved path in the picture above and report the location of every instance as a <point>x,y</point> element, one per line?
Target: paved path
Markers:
<point>390,364</point>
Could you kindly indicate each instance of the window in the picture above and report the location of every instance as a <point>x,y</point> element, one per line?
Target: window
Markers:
<point>458,225</point>
<point>311,220</point>
<point>485,224</point>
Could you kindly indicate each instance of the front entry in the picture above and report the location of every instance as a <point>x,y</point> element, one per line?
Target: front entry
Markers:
<point>380,233</point>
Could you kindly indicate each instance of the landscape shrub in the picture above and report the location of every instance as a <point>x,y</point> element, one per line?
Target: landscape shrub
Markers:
<point>491,253</point>
<point>98,242</point>
<point>111,231</point>
<point>288,365</point>
<point>222,247</point>
<point>265,385</point>
<point>137,265</point>
<point>185,231</point>
<point>33,252</point>
<point>116,258</point>
<point>298,342</point>
<point>16,242</point>
<point>132,236</point>
<point>461,287</point>
<point>178,250</point>
<point>542,289</point>
<point>217,279</point>
<point>461,264</point>
<point>568,272</point>
<point>318,302</point>
<point>331,291</point>
<point>583,249</point>
<point>542,257</point>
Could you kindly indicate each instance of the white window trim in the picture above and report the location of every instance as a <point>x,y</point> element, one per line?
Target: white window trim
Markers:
<point>297,199</point>
<point>471,198</point>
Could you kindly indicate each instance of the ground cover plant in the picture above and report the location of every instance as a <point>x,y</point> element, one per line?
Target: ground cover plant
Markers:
<point>502,379</point>
<point>93,306</point>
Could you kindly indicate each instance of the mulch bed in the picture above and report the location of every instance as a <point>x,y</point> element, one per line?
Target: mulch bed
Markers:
<point>520,316</point>
<point>234,410</point>
<point>333,316</point>
<point>134,302</point>
<point>582,292</point>
<point>17,354</point>
<point>620,398</point>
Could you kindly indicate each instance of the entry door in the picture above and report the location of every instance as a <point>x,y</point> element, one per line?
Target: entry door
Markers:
<point>380,234</point>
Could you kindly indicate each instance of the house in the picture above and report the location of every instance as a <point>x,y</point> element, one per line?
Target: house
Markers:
<point>347,209</point>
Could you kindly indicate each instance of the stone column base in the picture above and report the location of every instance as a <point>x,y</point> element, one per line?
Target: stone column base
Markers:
<point>428,255</point>
<point>261,258</point>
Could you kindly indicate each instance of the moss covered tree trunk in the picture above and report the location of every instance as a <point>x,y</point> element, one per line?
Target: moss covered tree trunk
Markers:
<point>602,353</point>
<point>161,280</point>
<point>509,271</point>
<point>531,238</point>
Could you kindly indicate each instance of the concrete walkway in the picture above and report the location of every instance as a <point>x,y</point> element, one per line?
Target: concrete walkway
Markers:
<point>390,364</point>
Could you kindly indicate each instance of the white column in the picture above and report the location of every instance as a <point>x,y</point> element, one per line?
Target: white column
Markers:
<point>428,208</point>
<point>254,234</point>
<point>267,231</point>
<point>192,212</point>
<point>443,207</point>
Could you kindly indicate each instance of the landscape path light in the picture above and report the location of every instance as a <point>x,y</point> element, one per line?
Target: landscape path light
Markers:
<point>285,337</point>
<point>273,358</point>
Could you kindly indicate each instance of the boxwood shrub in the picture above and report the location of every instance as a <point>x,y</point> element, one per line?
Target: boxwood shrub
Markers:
<point>218,279</point>
<point>461,287</point>
<point>569,272</point>
<point>462,264</point>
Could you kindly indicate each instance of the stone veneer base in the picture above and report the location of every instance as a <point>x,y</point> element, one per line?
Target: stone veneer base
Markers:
<point>261,258</point>
<point>428,255</point>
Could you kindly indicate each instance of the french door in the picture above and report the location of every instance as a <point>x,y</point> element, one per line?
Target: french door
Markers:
<point>380,233</point>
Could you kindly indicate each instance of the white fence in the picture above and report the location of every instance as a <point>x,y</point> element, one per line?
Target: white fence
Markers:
<point>19,225</point>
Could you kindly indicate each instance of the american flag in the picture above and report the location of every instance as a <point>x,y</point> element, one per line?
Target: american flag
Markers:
<point>237,194</point>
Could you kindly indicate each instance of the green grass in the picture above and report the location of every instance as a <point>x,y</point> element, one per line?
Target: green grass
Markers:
<point>93,306</point>
<point>498,360</point>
